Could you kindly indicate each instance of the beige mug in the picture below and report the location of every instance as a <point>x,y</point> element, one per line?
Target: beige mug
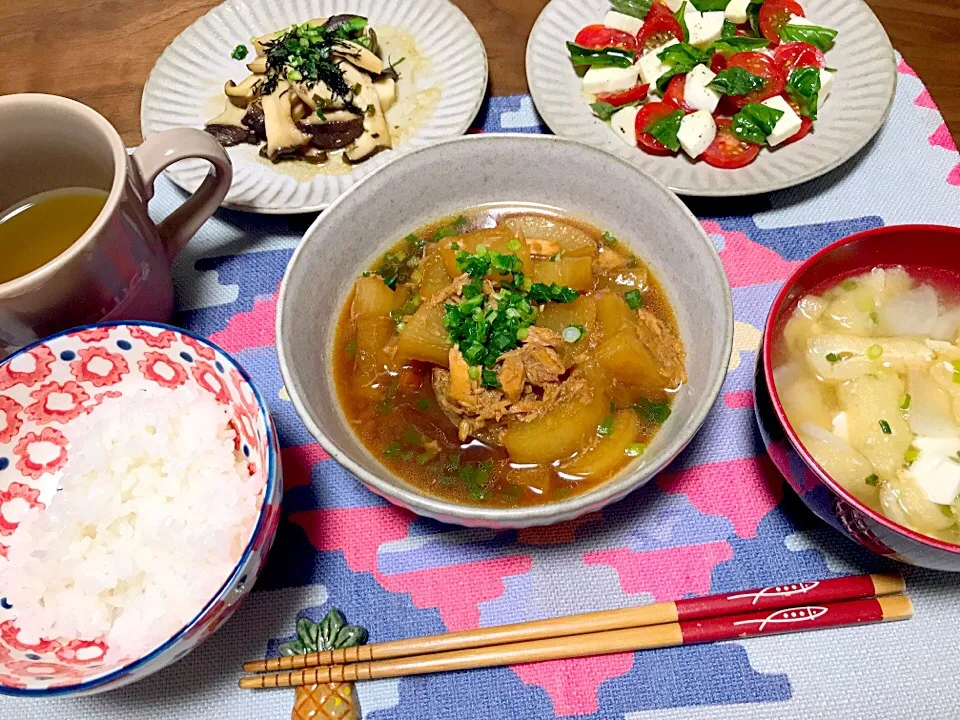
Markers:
<point>120,267</point>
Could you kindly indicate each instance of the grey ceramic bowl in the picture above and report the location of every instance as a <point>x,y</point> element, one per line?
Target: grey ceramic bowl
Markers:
<point>459,174</point>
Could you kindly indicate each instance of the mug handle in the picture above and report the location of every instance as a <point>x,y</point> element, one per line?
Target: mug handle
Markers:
<point>162,150</point>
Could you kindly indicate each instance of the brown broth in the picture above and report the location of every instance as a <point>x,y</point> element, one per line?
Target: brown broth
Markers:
<point>397,413</point>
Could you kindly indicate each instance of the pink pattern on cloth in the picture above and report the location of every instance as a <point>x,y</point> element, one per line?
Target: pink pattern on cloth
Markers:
<point>667,573</point>
<point>752,487</point>
<point>925,100</point>
<point>573,684</point>
<point>560,534</point>
<point>905,69</point>
<point>456,591</point>
<point>748,262</point>
<point>954,177</point>
<point>298,462</point>
<point>739,399</point>
<point>250,329</point>
<point>942,138</point>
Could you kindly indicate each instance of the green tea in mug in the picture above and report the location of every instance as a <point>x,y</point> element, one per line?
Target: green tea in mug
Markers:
<point>34,231</point>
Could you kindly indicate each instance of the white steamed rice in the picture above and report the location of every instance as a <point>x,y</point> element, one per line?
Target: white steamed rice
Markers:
<point>155,509</point>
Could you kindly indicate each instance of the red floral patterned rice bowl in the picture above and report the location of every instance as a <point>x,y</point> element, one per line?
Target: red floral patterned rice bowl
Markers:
<point>47,387</point>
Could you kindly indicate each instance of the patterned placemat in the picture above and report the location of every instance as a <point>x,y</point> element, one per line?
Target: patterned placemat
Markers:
<point>719,519</point>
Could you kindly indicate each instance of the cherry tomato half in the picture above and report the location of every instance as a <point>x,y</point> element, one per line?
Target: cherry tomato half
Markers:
<point>718,62</point>
<point>659,28</point>
<point>799,54</point>
<point>648,115</point>
<point>806,124</point>
<point>774,14</point>
<point>764,66</point>
<point>674,93</point>
<point>624,97</point>
<point>727,151</point>
<point>597,37</point>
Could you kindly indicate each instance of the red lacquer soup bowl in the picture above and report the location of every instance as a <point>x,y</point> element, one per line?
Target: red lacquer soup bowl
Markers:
<point>927,250</point>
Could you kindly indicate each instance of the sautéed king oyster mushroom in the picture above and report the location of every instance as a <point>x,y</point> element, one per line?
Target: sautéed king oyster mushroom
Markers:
<point>314,88</point>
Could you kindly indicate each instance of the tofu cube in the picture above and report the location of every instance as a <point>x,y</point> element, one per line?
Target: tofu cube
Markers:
<point>650,65</point>
<point>703,28</point>
<point>609,79</point>
<point>826,87</point>
<point>620,21</point>
<point>697,131</point>
<point>935,471</point>
<point>736,11</point>
<point>695,91</point>
<point>787,126</point>
<point>624,124</point>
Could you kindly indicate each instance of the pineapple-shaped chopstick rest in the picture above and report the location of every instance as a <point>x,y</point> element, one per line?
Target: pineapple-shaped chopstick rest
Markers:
<point>325,701</point>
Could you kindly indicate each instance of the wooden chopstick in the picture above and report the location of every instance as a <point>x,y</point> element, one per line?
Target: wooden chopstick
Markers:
<point>770,598</point>
<point>688,632</point>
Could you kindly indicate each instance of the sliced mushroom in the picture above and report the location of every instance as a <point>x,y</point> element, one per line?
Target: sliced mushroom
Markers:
<point>299,109</point>
<point>315,156</point>
<point>243,94</point>
<point>337,129</point>
<point>260,43</point>
<point>359,56</point>
<point>283,136</point>
<point>228,127</point>
<point>318,95</point>
<point>258,66</point>
<point>253,119</point>
<point>376,135</point>
<point>386,88</point>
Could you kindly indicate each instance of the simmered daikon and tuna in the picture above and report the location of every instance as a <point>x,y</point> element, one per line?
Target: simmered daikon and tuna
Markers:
<point>868,373</point>
<point>508,357</point>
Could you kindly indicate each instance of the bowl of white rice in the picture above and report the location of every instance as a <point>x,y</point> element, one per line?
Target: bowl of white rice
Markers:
<point>139,495</point>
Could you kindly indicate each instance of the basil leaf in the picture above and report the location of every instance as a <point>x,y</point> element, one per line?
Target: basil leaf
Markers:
<point>753,17</point>
<point>680,16</point>
<point>603,110</point>
<point>736,81</point>
<point>709,5</point>
<point>636,8</point>
<point>815,35</point>
<point>607,57</point>
<point>730,46</point>
<point>666,128</point>
<point>803,87</point>
<point>755,122</point>
<point>682,58</point>
<point>729,30</point>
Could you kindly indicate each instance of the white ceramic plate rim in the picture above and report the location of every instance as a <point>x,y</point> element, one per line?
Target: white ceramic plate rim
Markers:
<point>601,136</point>
<point>176,175</point>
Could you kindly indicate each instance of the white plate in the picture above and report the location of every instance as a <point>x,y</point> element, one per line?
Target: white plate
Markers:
<point>858,105</point>
<point>185,89</point>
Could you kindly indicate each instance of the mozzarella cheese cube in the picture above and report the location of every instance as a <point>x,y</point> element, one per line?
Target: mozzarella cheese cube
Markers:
<point>826,86</point>
<point>736,11</point>
<point>675,5</point>
<point>650,65</point>
<point>695,91</point>
<point>620,21</point>
<point>703,28</point>
<point>797,20</point>
<point>934,471</point>
<point>609,79</point>
<point>624,124</point>
<point>787,126</point>
<point>697,131</point>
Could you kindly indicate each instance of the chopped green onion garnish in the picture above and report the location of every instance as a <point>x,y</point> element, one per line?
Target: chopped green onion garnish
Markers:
<point>911,455</point>
<point>634,299</point>
<point>474,372</point>
<point>833,358</point>
<point>874,352</point>
<point>606,426</point>
<point>239,52</point>
<point>905,401</point>
<point>423,403</point>
<point>609,239</point>
<point>514,245</point>
<point>392,449</point>
<point>849,285</point>
<point>885,427</point>
<point>635,449</point>
<point>523,333</point>
<point>874,317</point>
<point>572,333</point>
<point>872,480</point>
<point>956,377</point>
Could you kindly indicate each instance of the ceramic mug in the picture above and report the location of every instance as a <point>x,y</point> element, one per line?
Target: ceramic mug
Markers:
<point>120,267</point>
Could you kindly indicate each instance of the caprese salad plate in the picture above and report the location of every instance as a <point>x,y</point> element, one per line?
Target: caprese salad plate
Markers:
<point>715,97</point>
